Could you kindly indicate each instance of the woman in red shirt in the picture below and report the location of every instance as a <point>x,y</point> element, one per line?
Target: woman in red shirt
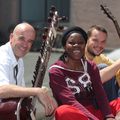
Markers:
<point>76,83</point>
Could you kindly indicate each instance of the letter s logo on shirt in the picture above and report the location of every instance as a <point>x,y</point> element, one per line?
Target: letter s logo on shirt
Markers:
<point>80,85</point>
<point>84,79</point>
<point>71,84</point>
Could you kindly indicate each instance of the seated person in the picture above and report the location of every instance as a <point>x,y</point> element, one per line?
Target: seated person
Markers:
<point>76,83</point>
<point>97,37</point>
<point>12,84</point>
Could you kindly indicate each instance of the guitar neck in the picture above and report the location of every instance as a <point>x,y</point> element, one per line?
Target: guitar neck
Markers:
<point>117,27</point>
<point>46,48</point>
<point>110,16</point>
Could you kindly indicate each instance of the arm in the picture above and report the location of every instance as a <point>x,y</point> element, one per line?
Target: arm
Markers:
<point>105,73</point>
<point>8,91</point>
<point>12,91</point>
<point>100,95</point>
<point>110,71</point>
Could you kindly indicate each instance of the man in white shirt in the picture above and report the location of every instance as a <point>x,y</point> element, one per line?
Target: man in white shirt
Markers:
<point>11,55</point>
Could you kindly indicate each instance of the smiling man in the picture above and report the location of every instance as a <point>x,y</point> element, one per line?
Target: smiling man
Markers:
<point>12,84</point>
<point>97,38</point>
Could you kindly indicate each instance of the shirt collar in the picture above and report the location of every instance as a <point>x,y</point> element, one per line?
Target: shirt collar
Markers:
<point>11,53</point>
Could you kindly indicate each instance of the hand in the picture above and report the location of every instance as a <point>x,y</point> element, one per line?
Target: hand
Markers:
<point>110,119</point>
<point>47,101</point>
<point>117,117</point>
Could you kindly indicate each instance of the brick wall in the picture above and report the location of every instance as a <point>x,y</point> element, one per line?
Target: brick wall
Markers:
<point>88,12</point>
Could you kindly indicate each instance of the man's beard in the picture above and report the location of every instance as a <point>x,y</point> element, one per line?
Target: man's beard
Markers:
<point>92,53</point>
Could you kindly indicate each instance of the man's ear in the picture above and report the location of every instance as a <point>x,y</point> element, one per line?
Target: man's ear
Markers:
<point>11,36</point>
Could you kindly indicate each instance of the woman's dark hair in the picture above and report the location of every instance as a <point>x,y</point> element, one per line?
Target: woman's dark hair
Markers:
<point>71,30</point>
<point>67,33</point>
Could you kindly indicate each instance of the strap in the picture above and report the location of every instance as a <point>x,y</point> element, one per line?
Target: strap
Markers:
<point>15,73</point>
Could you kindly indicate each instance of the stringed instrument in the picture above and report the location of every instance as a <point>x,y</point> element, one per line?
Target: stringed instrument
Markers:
<point>49,37</point>
<point>110,16</point>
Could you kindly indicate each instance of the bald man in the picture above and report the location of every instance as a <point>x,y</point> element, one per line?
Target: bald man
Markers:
<point>11,53</point>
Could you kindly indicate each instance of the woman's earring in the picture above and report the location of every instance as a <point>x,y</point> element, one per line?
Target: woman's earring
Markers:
<point>66,57</point>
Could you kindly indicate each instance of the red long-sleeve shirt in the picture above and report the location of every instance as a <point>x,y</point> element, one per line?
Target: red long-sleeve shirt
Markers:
<point>69,87</point>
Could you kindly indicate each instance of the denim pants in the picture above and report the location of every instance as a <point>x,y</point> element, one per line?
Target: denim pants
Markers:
<point>111,87</point>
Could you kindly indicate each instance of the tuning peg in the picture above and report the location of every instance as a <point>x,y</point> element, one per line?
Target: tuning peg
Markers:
<point>60,28</point>
<point>64,18</point>
<point>45,29</point>
<point>44,36</point>
<point>52,8</point>
<point>51,13</point>
<point>49,19</point>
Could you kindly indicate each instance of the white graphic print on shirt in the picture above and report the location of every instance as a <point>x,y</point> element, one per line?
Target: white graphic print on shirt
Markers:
<point>80,85</point>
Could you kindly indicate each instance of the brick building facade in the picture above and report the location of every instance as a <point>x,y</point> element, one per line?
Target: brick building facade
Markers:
<point>88,12</point>
<point>82,12</point>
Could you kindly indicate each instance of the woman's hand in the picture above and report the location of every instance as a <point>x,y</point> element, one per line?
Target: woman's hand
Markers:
<point>117,117</point>
<point>47,101</point>
<point>110,119</point>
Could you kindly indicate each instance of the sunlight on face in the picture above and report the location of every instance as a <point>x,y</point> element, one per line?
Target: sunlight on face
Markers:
<point>96,42</point>
<point>21,41</point>
<point>75,46</point>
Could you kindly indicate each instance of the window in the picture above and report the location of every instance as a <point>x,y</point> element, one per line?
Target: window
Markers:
<point>38,10</point>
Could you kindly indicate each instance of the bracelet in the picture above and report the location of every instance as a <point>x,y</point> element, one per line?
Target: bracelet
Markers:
<point>109,117</point>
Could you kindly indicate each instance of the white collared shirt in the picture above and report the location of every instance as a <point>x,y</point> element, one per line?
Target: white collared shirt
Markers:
<point>7,64</point>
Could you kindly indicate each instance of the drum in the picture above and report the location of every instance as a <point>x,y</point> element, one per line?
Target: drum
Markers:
<point>8,109</point>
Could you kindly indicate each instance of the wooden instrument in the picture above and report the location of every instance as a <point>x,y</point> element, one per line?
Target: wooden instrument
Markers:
<point>110,16</point>
<point>49,38</point>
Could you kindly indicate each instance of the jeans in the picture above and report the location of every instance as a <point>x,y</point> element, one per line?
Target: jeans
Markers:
<point>119,92</point>
<point>111,87</point>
